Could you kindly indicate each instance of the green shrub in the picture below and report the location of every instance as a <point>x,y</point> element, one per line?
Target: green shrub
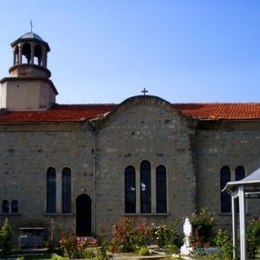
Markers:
<point>102,250</point>
<point>253,237</point>
<point>5,237</point>
<point>57,257</point>
<point>143,251</point>
<point>224,242</point>
<point>172,249</point>
<point>20,258</point>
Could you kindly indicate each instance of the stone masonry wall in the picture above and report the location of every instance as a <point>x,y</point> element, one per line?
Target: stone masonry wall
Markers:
<point>26,153</point>
<point>231,145</point>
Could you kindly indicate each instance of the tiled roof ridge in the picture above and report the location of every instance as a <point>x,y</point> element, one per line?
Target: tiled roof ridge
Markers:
<point>176,103</point>
<point>85,104</point>
<point>216,103</point>
<point>84,112</point>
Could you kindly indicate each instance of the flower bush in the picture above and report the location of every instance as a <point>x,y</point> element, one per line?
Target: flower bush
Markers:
<point>165,235</point>
<point>142,234</point>
<point>122,236</point>
<point>76,247</point>
<point>128,236</point>
<point>202,228</point>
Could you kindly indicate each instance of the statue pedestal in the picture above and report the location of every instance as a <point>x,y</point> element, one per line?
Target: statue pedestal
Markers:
<point>186,250</point>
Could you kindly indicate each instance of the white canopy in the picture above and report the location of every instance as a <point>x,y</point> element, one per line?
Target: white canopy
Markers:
<point>247,187</point>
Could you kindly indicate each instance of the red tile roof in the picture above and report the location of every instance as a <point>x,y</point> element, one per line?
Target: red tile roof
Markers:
<point>57,113</point>
<point>77,113</point>
<point>225,111</point>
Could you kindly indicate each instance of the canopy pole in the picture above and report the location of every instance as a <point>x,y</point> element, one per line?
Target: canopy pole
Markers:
<point>242,222</point>
<point>234,235</point>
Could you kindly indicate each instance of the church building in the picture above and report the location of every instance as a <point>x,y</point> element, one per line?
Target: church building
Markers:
<point>85,166</point>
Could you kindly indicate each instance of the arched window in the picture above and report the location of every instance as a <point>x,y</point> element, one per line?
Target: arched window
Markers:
<point>16,56</point>
<point>239,175</point>
<point>38,53</point>
<point>66,190</point>
<point>51,190</point>
<point>5,206</point>
<point>161,202</point>
<point>130,190</point>
<point>26,51</point>
<point>145,187</point>
<point>225,198</point>
<point>14,206</point>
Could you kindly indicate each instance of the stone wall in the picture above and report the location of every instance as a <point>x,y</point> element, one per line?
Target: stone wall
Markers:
<point>99,151</point>
<point>230,144</point>
<point>26,152</point>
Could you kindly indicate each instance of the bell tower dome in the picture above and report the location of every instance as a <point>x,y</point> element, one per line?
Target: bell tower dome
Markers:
<point>29,86</point>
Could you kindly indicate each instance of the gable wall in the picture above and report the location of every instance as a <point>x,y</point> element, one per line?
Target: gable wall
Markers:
<point>137,133</point>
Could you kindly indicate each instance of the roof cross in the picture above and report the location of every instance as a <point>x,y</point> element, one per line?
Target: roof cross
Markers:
<point>31,24</point>
<point>144,91</point>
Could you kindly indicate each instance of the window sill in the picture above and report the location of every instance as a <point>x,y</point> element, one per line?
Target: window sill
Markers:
<point>10,214</point>
<point>147,214</point>
<point>230,214</point>
<point>59,214</point>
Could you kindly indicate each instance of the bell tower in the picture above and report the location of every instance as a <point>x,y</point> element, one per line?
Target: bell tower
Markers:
<point>29,86</point>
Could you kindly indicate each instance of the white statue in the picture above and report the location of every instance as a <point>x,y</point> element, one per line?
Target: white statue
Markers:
<point>186,249</point>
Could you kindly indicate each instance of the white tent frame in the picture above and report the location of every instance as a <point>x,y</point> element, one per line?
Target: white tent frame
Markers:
<point>249,187</point>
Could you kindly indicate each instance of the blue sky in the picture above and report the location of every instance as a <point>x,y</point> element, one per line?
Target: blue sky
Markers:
<point>104,51</point>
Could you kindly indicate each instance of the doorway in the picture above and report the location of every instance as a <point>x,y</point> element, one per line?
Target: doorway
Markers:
<point>83,215</point>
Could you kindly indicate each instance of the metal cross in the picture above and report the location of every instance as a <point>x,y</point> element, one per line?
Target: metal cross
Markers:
<point>31,24</point>
<point>144,91</point>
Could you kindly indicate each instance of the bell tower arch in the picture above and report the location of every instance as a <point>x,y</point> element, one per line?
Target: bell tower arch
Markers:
<point>29,86</point>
